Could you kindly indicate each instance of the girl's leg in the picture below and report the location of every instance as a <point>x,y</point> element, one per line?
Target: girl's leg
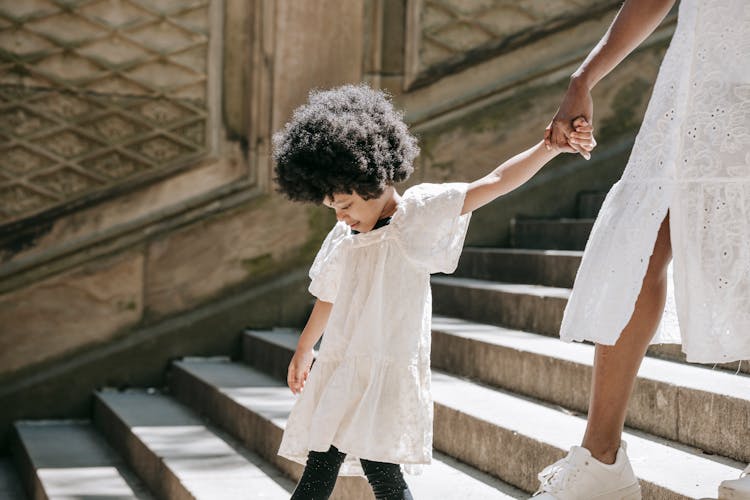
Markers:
<point>616,367</point>
<point>320,475</point>
<point>386,480</point>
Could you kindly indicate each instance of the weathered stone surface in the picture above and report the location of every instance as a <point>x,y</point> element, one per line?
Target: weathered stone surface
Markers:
<point>254,407</point>
<point>87,306</point>
<point>531,308</point>
<point>63,388</point>
<point>535,267</point>
<point>192,265</point>
<point>462,142</point>
<point>138,205</point>
<point>310,56</point>
<point>551,234</point>
<point>66,459</point>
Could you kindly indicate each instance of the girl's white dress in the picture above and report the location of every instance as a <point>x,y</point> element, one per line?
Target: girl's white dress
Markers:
<point>692,159</point>
<point>368,393</point>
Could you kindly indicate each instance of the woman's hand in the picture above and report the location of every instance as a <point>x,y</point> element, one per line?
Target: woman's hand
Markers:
<point>576,103</point>
<point>299,370</point>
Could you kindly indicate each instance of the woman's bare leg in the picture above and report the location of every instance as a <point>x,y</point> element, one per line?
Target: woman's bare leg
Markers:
<point>616,367</point>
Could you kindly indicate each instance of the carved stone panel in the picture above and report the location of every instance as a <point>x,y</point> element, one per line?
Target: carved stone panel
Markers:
<point>96,93</point>
<point>444,33</point>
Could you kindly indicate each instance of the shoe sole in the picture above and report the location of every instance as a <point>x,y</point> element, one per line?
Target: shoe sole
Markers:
<point>632,492</point>
<point>728,493</point>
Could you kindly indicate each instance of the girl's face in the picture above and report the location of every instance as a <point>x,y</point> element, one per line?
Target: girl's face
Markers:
<point>359,214</point>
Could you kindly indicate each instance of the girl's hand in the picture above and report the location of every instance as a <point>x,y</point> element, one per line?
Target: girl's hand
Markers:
<point>582,136</point>
<point>299,369</point>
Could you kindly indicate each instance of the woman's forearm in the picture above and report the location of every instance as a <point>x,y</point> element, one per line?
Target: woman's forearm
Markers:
<point>636,20</point>
<point>315,326</point>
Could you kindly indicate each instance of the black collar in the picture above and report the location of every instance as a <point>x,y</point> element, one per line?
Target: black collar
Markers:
<point>380,223</point>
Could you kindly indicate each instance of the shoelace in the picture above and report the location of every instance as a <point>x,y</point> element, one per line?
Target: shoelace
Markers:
<point>554,477</point>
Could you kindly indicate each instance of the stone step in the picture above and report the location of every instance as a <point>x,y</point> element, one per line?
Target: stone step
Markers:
<point>550,234</point>
<point>513,437</point>
<point>556,268</point>
<point>254,407</point>
<point>532,308</point>
<point>176,454</point>
<point>10,482</point>
<point>589,203</point>
<point>64,460</point>
<point>673,352</point>
<point>708,409</point>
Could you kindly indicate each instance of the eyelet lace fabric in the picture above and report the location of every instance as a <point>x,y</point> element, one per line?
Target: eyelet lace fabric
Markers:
<point>368,393</point>
<point>692,159</point>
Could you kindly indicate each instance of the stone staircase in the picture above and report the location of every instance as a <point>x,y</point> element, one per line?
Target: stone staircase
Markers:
<point>509,399</point>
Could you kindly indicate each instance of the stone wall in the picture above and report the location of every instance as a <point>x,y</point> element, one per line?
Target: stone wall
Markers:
<point>138,220</point>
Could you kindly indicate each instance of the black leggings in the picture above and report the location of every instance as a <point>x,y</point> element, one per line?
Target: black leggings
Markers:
<point>322,469</point>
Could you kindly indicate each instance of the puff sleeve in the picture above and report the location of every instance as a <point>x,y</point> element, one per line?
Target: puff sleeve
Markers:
<point>327,268</point>
<point>432,228</point>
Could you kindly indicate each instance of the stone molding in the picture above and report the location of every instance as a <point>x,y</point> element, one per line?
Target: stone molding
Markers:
<point>235,159</point>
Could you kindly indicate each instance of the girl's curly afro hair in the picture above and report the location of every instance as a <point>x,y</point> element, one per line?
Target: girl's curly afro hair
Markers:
<point>347,139</point>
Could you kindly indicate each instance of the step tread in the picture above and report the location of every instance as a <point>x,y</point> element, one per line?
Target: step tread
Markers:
<point>10,483</point>
<point>668,372</point>
<point>676,467</point>
<point>272,400</point>
<point>513,288</point>
<point>71,460</point>
<point>204,463</point>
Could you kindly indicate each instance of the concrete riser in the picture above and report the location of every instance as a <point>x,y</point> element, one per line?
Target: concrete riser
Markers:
<point>271,359</point>
<point>253,431</point>
<point>147,465</point>
<point>550,235</point>
<point>549,270</point>
<point>31,482</point>
<point>716,424</point>
<point>529,313</point>
<point>512,457</point>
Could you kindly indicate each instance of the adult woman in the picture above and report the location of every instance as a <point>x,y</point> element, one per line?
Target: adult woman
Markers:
<point>684,196</point>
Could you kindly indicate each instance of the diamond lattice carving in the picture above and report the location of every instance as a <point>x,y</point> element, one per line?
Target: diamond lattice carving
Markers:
<point>97,92</point>
<point>19,160</point>
<point>65,182</point>
<point>450,28</point>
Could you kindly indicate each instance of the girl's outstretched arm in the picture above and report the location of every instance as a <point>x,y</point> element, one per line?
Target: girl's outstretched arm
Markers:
<point>299,367</point>
<point>519,169</point>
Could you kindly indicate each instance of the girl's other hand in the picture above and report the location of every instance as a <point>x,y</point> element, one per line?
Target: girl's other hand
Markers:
<point>299,370</point>
<point>582,136</point>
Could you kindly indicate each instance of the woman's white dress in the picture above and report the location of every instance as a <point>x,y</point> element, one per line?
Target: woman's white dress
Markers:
<point>368,393</point>
<point>692,159</point>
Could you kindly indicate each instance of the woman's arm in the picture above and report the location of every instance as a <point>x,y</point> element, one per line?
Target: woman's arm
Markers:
<point>519,169</point>
<point>636,20</point>
<point>299,367</point>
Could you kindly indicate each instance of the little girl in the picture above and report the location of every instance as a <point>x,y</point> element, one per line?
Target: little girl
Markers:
<point>366,405</point>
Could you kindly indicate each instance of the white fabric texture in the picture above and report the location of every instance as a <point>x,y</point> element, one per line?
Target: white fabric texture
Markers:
<point>692,158</point>
<point>368,393</point>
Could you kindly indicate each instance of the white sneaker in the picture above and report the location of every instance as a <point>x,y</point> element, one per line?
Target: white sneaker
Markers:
<point>579,476</point>
<point>736,489</point>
